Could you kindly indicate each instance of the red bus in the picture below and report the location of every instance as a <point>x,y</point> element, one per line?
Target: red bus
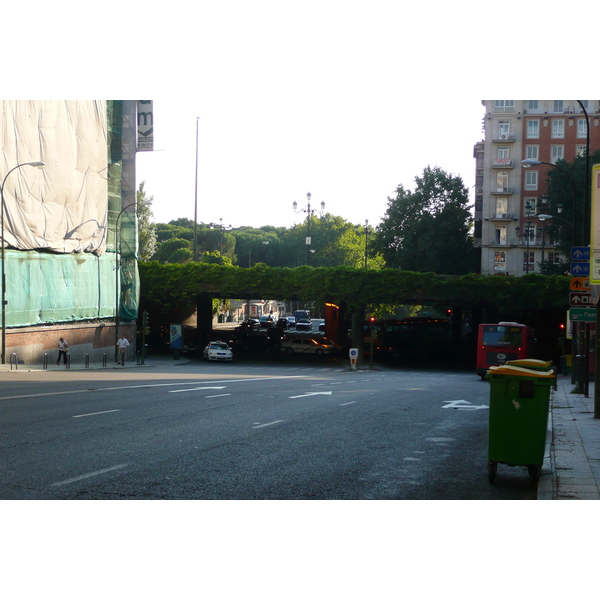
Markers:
<point>499,342</point>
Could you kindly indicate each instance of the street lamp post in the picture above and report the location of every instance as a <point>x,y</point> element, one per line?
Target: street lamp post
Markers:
<point>117,272</point>
<point>309,211</point>
<point>4,302</point>
<point>527,235</point>
<point>250,254</point>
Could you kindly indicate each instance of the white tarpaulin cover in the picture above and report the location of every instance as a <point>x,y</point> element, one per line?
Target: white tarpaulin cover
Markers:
<point>63,206</point>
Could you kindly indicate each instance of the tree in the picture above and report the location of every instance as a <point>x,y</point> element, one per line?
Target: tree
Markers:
<point>566,188</point>
<point>146,228</point>
<point>429,229</point>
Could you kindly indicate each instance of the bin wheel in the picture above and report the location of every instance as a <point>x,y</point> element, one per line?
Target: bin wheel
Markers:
<point>534,472</point>
<point>492,468</point>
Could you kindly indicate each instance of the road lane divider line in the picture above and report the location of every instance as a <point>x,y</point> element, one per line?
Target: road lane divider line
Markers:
<point>145,385</point>
<point>87,475</point>
<point>267,424</point>
<point>217,387</point>
<point>346,403</point>
<point>103,412</point>
<point>217,395</point>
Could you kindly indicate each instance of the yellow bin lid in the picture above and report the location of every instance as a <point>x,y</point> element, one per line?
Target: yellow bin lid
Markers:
<point>521,371</point>
<point>530,362</point>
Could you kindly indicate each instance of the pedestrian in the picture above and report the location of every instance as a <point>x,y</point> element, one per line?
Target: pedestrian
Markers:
<point>63,348</point>
<point>122,346</point>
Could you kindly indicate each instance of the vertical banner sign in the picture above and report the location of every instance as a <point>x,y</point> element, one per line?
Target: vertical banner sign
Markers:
<point>595,228</point>
<point>145,125</point>
<point>176,337</point>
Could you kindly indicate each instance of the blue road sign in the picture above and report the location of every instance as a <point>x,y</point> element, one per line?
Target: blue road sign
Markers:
<point>580,268</point>
<point>580,253</point>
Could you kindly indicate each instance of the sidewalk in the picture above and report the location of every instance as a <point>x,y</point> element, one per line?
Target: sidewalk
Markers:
<point>151,361</point>
<point>571,468</point>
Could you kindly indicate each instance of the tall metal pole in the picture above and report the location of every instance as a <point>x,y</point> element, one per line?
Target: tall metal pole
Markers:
<point>196,199</point>
<point>308,240</point>
<point>4,301</point>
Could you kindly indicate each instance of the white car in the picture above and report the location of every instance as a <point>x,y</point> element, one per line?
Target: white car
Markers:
<point>305,346</point>
<point>219,351</point>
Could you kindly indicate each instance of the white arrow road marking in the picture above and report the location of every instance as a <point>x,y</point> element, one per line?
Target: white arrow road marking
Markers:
<point>198,388</point>
<point>462,405</point>
<point>516,404</point>
<point>312,394</point>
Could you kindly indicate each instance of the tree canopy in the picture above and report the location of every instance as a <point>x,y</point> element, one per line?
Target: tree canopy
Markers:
<point>429,229</point>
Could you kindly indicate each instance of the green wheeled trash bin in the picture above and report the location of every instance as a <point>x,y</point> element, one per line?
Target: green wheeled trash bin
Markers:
<point>518,419</point>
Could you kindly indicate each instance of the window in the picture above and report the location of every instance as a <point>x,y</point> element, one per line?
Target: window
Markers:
<point>502,181</point>
<point>533,104</point>
<point>533,128</point>
<point>554,258</point>
<point>501,207</point>
<point>529,233</point>
<point>558,106</point>
<point>531,180</point>
<point>580,150</point>
<point>499,261</point>
<point>503,152</point>
<point>530,206</point>
<point>532,152</point>
<point>503,129</point>
<point>556,153</point>
<point>581,128</point>
<point>558,128</point>
<point>500,235</point>
<point>528,257</point>
<point>504,105</point>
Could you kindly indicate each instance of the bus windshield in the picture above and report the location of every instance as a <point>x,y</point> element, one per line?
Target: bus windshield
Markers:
<point>501,335</point>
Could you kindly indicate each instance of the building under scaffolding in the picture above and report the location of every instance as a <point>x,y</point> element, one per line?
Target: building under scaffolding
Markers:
<point>64,274</point>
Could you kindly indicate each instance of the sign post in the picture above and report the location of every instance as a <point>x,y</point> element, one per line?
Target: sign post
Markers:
<point>353,358</point>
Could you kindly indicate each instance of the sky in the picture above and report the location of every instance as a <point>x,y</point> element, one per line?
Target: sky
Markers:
<point>309,99</point>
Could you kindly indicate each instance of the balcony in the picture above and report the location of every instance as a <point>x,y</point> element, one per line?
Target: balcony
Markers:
<point>502,191</point>
<point>502,163</point>
<point>502,217</point>
<point>508,138</point>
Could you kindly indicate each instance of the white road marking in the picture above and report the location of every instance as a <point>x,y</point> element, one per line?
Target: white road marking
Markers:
<point>463,405</point>
<point>146,385</point>
<point>216,387</point>
<point>217,395</point>
<point>346,403</point>
<point>267,424</point>
<point>96,413</point>
<point>88,475</point>
<point>312,394</point>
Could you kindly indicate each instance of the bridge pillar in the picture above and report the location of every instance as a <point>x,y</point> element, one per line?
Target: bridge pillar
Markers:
<point>204,315</point>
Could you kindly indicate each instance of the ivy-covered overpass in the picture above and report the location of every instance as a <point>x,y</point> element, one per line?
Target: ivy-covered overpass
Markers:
<point>173,292</point>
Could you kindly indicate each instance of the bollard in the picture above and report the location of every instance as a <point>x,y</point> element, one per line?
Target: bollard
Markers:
<point>13,358</point>
<point>87,361</point>
<point>578,373</point>
<point>68,360</point>
<point>104,360</point>
<point>45,361</point>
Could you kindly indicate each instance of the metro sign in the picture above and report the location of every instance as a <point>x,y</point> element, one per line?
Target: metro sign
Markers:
<point>580,299</point>
<point>580,284</point>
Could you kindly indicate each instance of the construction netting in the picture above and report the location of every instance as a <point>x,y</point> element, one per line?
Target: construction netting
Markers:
<point>59,226</point>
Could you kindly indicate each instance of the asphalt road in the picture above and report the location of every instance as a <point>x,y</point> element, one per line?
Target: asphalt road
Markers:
<point>292,429</point>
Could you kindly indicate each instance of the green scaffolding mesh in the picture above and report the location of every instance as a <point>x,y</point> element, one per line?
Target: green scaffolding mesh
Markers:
<point>47,287</point>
